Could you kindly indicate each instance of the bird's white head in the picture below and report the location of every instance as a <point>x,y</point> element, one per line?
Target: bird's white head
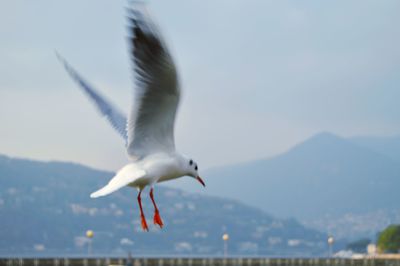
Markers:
<point>193,170</point>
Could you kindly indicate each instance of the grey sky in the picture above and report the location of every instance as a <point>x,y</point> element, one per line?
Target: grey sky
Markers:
<point>258,76</point>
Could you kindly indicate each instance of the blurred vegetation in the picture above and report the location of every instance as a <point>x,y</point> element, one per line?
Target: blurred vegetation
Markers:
<point>359,246</point>
<point>389,239</point>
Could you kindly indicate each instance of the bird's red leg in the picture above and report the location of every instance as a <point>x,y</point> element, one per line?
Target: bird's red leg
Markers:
<point>144,224</point>
<point>157,218</point>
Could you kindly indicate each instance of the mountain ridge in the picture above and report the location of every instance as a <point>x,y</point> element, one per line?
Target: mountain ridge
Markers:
<point>388,146</point>
<point>45,210</point>
<point>323,176</point>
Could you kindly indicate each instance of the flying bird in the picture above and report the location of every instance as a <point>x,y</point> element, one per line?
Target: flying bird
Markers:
<point>148,131</point>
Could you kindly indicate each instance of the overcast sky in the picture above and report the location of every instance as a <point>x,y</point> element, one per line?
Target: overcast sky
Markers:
<point>258,76</point>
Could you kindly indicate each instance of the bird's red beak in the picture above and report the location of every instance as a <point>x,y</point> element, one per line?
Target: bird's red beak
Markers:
<point>201,181</point>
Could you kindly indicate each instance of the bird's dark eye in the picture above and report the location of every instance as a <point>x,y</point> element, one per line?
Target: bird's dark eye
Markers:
<point>190,162</point>
<point>195,168</point>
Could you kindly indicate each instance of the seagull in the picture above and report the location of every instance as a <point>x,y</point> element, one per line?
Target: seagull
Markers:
<point>148,131</point>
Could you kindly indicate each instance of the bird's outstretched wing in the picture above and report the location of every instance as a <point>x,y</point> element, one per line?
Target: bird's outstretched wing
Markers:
<point>157,93</point>
<point>117,120</point>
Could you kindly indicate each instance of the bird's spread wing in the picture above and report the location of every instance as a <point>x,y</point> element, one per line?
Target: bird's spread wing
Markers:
<point>151,121</point>
<point>117,120</point>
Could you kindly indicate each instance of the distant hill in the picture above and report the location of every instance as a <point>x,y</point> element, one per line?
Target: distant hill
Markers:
<point>326,181</point>
<point>388,146</point>
<point>45,209</point>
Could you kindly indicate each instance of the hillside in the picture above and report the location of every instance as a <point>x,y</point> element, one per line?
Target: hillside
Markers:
<point>323,181</point>
<point>388,146</point>
<point>45,209</point>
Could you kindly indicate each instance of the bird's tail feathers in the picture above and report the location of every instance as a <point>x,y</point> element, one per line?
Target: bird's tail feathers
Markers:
<point>104,191</point>
<point>124,177</point>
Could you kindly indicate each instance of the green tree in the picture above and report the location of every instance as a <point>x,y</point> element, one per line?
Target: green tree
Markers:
<point>389,239</point>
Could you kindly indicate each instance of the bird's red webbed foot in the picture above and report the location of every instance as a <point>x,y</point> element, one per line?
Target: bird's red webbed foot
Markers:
<point>157,217</point>
<point>144,223</point>
<point>143,219</point>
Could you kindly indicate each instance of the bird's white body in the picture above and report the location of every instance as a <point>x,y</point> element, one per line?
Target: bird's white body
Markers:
<point>152,169</point>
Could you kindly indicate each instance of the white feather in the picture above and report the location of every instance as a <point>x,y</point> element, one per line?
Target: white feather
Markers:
<point>127,175</point>
<point>151,121</point>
